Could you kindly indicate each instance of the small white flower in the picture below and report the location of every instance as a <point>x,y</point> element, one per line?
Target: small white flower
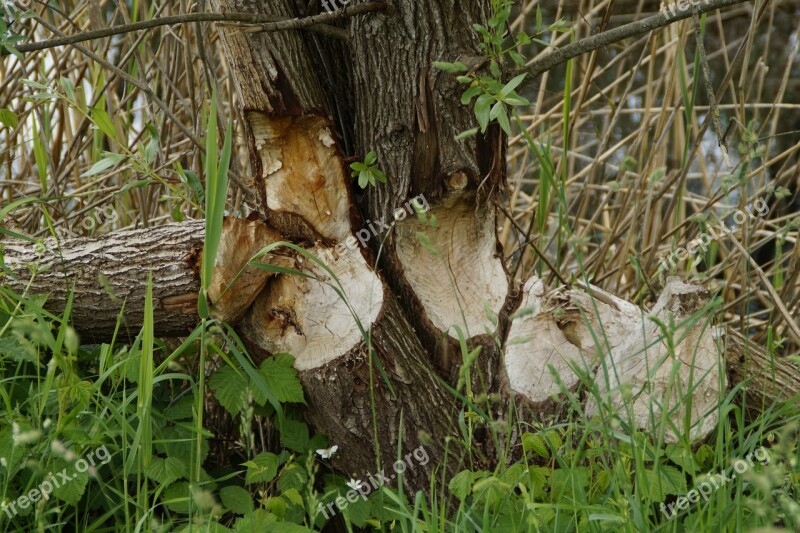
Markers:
<point>327,453</point>
<point>354,484</point>
<point>24,437</point>
<point>59,449</point>
<point>4,462</point>
<point>46,423</point>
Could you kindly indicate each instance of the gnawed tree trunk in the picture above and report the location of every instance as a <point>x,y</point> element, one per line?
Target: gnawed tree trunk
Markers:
<point>667,364</point>
<point>347,343</point>
<point>564,329</point>
<point>407,316</point>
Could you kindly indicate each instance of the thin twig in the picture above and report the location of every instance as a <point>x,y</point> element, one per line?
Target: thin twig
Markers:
<point>712,101</point>
<point>565,53</point>
<point>261,22</point>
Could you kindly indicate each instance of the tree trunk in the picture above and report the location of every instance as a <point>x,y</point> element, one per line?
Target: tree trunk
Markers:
<point>378,346</point>
<point>108,276</point>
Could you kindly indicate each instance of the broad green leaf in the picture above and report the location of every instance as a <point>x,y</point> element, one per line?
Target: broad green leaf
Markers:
<point>664,481</point>
<point>292,477</point>
<point>461,484</point>
<point>469,94</point>
<point>482,108</point>
<point>9,118</point>
<point>257,521</point>
<point>262,468</point>
<point>166,471</point>
<point>513,84</point>
<point>177,497</point>
<point>71,490</point>
<point>502,119</point>
<point>281,378</point>
<point>230,389</point>
<point>516,57</point>
<point>237,499</point>
<point>294,435</point>
<point>536,444</point>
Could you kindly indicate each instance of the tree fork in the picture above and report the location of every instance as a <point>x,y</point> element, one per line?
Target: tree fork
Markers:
<point>300,183</point>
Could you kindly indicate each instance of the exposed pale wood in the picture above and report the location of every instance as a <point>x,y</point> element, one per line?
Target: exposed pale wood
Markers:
<point>303,178</point>
<point>410,113</point>
<point>449,272</point>
<point>460,275</point>
<point>301,185</point>
<point>307,318</point>
<point>234,285</point>
<point>561,329</point>
<point>110,272</point>
<point>298,174</point>
<point>649,377</point>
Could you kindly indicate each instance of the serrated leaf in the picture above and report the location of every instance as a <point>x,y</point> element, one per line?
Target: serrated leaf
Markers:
<point>704,455</point>
<point>237,499</point>
<point>461,484</point>
<point>166,471</point>
<point>292,477</point>
<point>10,347</point>
<point>262,468</point>
<point>538,476</point>
<point>682,457</point>
<point>281,378</point>
<point>663,482</point>
<point>258,520</point>
<point>230,389</point>
<point>294,435</point>
<point>536,444</point>
<point>69,491</point>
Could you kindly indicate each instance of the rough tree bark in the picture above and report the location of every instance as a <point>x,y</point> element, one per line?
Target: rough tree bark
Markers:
<point>409,314</point>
